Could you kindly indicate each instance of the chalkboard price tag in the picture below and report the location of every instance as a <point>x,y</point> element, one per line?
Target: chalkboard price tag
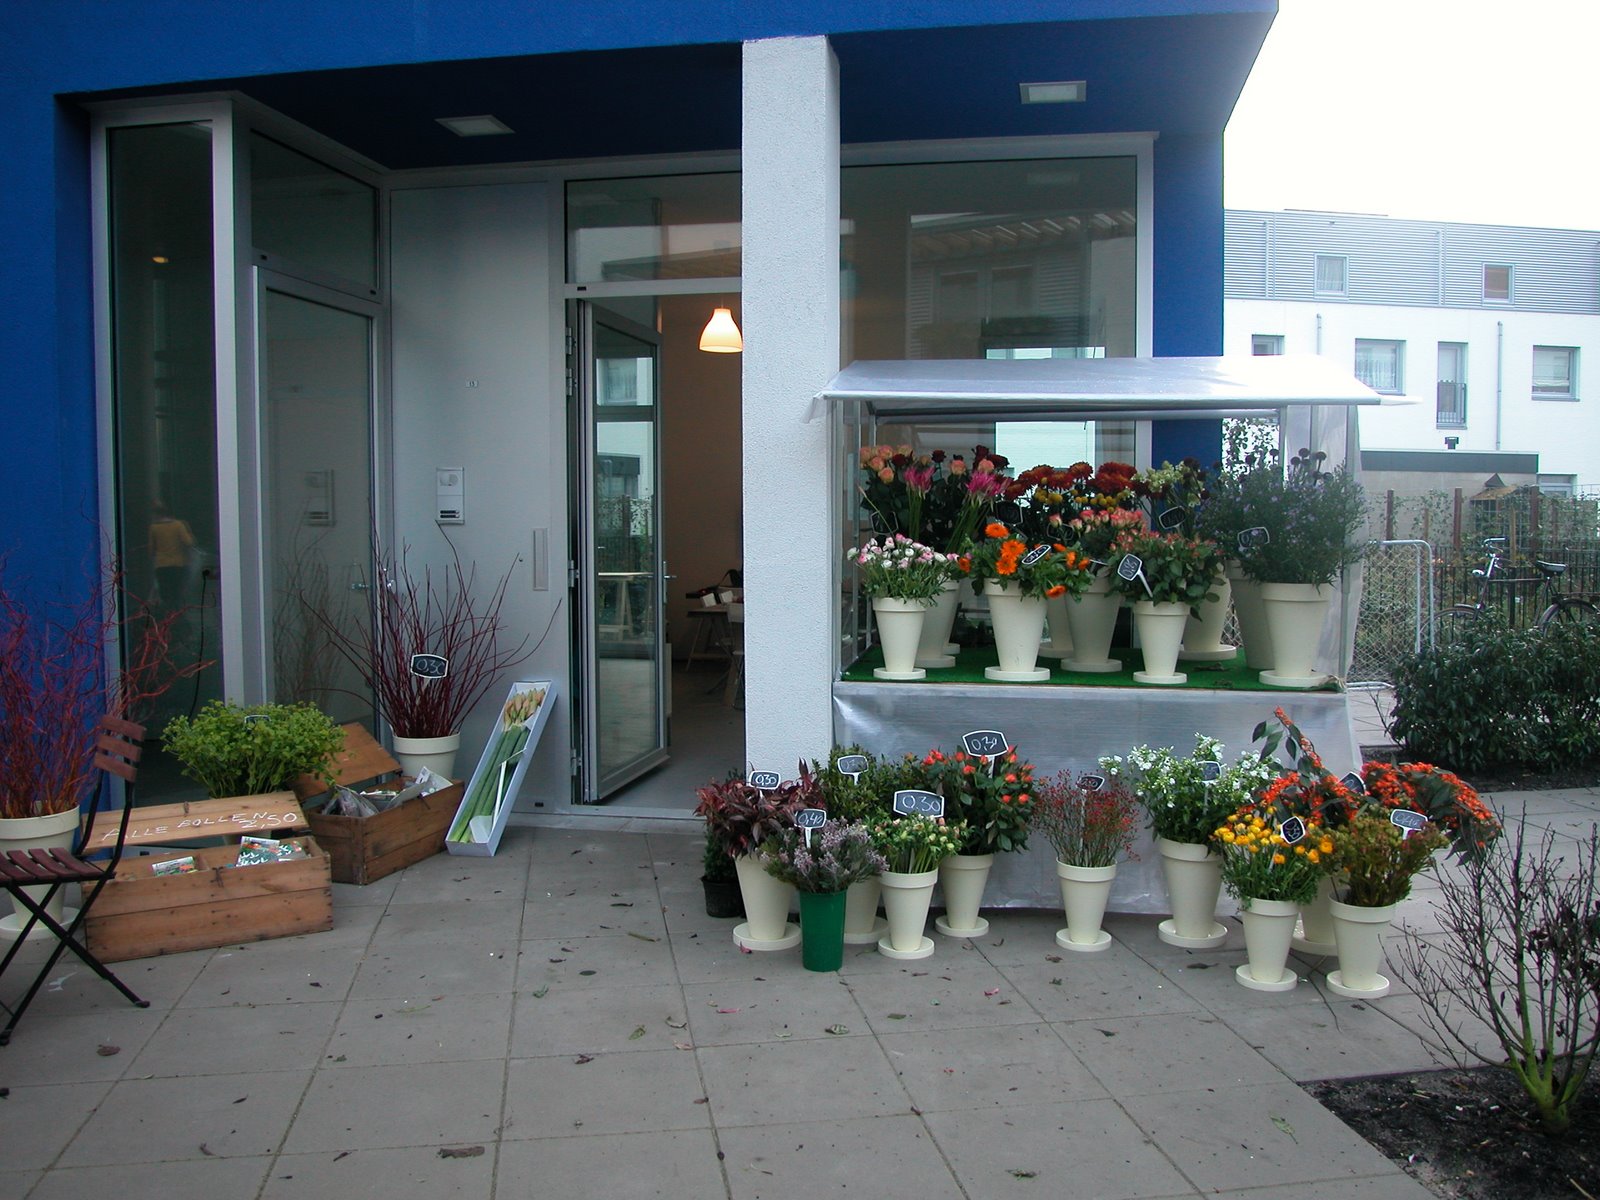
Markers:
<point>1131,567</point>
<point>1409,822</point>
<point>987,743</point>
<point>765,781</point>
<point>1210,771</point>
<point>1291,831</point>
<point>254,719</point>
<point>1172,518</point>
<point>851,765</point>
<point>1092,783</point>
<point>1034,555</point>
<point>1354,782</point>
<point>430,666</point>
<point>911,802</point>
<point>1255,536</point>
<point>810,818</point>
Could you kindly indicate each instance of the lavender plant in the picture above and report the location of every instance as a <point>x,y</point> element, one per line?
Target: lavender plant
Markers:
<point>840,853</point>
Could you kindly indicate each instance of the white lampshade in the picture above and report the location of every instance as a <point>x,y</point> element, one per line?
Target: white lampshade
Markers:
<point>721,335</point>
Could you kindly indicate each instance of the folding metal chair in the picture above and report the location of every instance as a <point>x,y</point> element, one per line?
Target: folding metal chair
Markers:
<point>118,745</point>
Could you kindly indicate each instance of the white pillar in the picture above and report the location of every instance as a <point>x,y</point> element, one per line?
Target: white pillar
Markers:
<point>791,349</point>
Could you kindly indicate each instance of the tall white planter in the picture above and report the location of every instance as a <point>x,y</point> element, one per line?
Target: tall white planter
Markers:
<point>1202,635</point>
<point>53,831</point>
<point>766,908</point>
<point>1084,892</point>
<point>962,878</point>
<point>1314,934</point>
<point>1193,873</point>
<point>1253,631</point>
<point>1060,643</point>
<point>1295,613</point>
<point>1160,628</point>
<point>932,648</point>
<point>906,897</point>
<point>862,924</point>
<point>1268,926</point>
<point>1359,933</point>
<point>899,625</point>
<point>437,754</point>
<point>1092,616</point>
<point>1018,625</point>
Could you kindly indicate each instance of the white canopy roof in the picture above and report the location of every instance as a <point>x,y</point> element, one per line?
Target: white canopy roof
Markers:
<point>1079,388</point>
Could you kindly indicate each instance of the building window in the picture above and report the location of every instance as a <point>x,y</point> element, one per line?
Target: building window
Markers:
<point>1266,343</point>
<point>1496,284</point>
<point>1332,273</point>
<point>1555,373</point>
<point>1381,366</point>
<point>1452,385</point>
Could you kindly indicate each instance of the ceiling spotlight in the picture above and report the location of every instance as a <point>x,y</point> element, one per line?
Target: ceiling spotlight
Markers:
<point>1067,92</point>
<point>479,126</point>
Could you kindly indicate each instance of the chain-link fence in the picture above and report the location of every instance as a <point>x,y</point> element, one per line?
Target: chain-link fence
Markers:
<point>1397,609</point>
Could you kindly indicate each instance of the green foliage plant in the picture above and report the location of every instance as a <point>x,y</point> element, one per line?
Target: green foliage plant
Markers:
<point>740,817</point>
<point>1174,569</point>
<point>1313,519</point>
<point>1376,861</point>
<point>243,750</point>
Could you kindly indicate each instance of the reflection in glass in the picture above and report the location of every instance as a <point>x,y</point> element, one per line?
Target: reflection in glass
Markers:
<point>311,215</point>
<point>665,227</point>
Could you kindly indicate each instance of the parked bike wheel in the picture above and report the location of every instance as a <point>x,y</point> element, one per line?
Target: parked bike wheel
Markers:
<point>1570,612</point>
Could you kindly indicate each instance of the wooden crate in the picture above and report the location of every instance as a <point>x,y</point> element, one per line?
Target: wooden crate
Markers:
<point>365,849</point>
<point>141,914</point>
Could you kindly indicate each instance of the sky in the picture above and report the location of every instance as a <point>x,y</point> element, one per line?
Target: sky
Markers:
<point>1451,111</point>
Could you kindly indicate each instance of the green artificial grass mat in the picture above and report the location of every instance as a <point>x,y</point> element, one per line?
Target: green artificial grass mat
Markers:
<point>1231,676</point>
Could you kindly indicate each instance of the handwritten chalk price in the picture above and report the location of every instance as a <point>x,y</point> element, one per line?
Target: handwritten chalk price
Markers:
<point>1132,567</point>
<point>1034,555</point>
<point>1092,783</point>
<point>851,765</point>
<point>765,781</point>
<point>1291,831</point>
<point>1354,782</point>
<point>911,802</point>
<point>1172,518</point>
<point>1255,536</point>
<point>984,742</point>
<point>430,666</point>
<point>1408,822</point>
<point>810,818</point>
<point>1210,771</point>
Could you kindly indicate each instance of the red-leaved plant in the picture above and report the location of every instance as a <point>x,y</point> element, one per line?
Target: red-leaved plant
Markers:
<point>1088,826</point>
<point>739,817</point>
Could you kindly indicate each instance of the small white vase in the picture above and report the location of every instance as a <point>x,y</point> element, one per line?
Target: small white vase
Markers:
<point>438,754</point>
<point>1160,628</point>
<point>1018,625</point>
<point>1314,934</point>
<point>766,908</point>
<point>1295,614</point>
<point>1359,933</point>
<point>1060,642</point>
<point>932,648</point>
<point>1193,873</point>
<point>1092,616</point>
<point>1253,631</point>
<point>906,897</point>
<point>1202,635</point>
<point>862,924</point>
<point>1084,892</point>
<point>899,625</point>
<point>962,878</point>
<point>53,831</point>
<point>1268,927</point>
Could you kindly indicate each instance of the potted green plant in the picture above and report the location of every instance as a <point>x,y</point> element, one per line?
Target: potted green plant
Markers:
<point>1018,578</point>
<point>1239,498</point>
<point>1091,822</point>
<point>863,794</point>
<point>244,750</point>
<point>821,863</point>
<point>719,879</point>
<point>912,848</point>
<point>1167,576</point>
<point>904,579</point>
<point>1375,861</point>
<point>741,816</point>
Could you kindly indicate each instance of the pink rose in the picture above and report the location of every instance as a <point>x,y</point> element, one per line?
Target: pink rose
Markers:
<point>886,475</point>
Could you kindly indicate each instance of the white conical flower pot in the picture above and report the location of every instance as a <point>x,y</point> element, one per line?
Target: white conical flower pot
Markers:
<point>1253,631</point>
<point>1202,635</point>
<point>899,625</point>
<point>1268,926</point>
<point>1092,616</point>
<point>1084,892</point>
<point>1060,642</point>
<point>862,924</point>
<point>1018,625</point>
<point>53,831</point>
<point>437,754</point>
<point>962,878</point>
<point>1314,934</point>
<point>1295,613</point>
<point>932,648</point>
<point>1359,933</point>
<point>1194,881</point>
<point>906,897</point>
<point>766,908</point>
<point>1160,628</point>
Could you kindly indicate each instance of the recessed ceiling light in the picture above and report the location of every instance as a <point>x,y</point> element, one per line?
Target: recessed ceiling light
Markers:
<point>480,126</point>
<point>1071,92</point>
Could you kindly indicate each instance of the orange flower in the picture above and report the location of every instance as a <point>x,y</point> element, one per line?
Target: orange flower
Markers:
<point>1058,590</point>
<point>996,530</point>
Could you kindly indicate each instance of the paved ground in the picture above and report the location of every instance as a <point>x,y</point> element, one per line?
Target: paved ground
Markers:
<point>568,1007</point>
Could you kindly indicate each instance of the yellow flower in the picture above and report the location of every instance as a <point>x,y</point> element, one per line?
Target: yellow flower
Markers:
<point>1278,860</point>
<point>1327,846</point>
<point>1313,856</point>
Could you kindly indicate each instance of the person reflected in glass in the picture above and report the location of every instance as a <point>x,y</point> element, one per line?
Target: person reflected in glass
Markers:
<point>171,545</point>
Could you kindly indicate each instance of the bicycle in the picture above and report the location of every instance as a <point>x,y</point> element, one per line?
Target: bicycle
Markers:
<point>1562,606</point>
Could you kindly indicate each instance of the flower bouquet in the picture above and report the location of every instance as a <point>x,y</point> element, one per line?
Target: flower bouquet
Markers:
<point>1018,579</point>
<point>912,847</point>
<point>1175,576</point>
<point>822,863</point>
<point>1092,824</point>
<point>993,797</point>
<point>1448,801</point>
<point>904,578</point>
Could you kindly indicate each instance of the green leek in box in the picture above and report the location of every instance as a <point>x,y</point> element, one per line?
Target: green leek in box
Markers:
<point>484,795</point>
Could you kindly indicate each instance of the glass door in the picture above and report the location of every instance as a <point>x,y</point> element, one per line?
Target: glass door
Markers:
<point>621,659</point>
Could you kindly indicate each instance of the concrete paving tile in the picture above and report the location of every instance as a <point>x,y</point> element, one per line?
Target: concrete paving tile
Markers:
<point>878,1156</point>
<point>1378,1187</point>
<point>73,988</point>
<point>444,1028</point>
<point>613,959</point>
<point>804,1007</point>
<point>1208,979</point>
<point>1002,1067</point>
<point>41,1119</point>
<point>221,1041</point>
<point>67,1049</point>
<point>1253,1136</point>
<point>650,1092</point>
<point>469,920</point>
<point>1463,1017</point>
<point>586,912</point>
<point>268,974</point>
<point>158,1120</point>
<point>352,928</point>
<point>421,1104</point>
<point>403,1173</point>
<point>458,880</point>
<point>1133,1056</point>
<point>468,966</point>
<point>17,1183</point>
<point>831,1080</point>
<point>973,995</point>
<point>683,907</point>
<point>950,955</point>
<point>1018,936</point>
<point>1139,932</point>
<point>351,895</point>
<point>570,1020</point>
<point>1114,982</point>
<point>630,1166</point>
<point>710,956</point>
<point>1344,1039</point>
<point>150,1181</point>
<point>1005,1152</point>
<point>558,849</point>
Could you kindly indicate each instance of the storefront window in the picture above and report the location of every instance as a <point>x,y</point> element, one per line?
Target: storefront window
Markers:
<point>665,227</point>
<point>311,216</point>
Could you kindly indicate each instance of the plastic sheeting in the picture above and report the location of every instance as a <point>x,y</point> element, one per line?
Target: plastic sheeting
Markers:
<point>1060,728</point>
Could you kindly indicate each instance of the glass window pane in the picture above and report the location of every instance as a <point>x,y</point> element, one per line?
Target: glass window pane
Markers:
<point>1552,370</point>
<point>666,227</point>
<point>311,215</point>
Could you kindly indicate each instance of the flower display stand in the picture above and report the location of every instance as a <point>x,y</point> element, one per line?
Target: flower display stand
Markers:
<point>906,897</point>
<point>962,878</point>
<point>1092,617</point>
<point>862,924</point>
<point>899,625</point>
<point>1254,635</point>
<point>1268,926</point>
<point>766,909</point>
<point>1084,892</point>
<point>1314,933</point>
<point>822,930</point>
<point>1202,635</point>
<point>1060,644</point>
<point>1359,933</point>
<point>933,649</point>
<point>1295,614</point>
<point>1160,628</point>
<point>1018,625</point>
<point>1193,874</point>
